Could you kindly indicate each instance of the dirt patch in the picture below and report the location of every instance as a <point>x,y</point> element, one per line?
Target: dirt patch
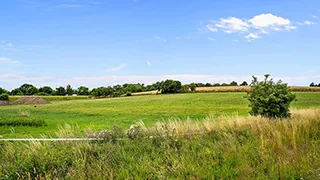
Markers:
<point>4,103</point>
<point>30,100</point>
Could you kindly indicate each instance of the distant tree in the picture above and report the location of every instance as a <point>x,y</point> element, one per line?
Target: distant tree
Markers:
<point>28,89</point>
<point>16,92</point>
<point>170,86</point>
<point>69,90</point>
<point>4,97</point>
<point>312,84</point>
<point>233,83</point>
<point>225,84</point>
<point>193,87</point>
<point>33,90</point>
<point>46,89</point>
<point>83,91</point>
<point>216,84</point>
<point>270,99</point>
<point>61,91</point>
<point>208,85</point>
<point>42,94</point>
<point>184,89</point>
<point>118,90</point>
<point>244,83</point>
<point>2,91</point>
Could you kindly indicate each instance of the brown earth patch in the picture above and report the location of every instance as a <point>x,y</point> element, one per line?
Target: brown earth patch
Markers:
<point>4,103</point>
<point>30,100</point>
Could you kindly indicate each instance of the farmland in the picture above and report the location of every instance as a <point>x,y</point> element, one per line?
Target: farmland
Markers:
<point>102,114</point>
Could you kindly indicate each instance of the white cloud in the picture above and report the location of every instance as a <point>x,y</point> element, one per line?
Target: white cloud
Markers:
<point>5,45</point>
<point>118,68</point>
<point>314,16</point>
<point>10,81</point>
<point>259,24</point>
<point>231,25</point>
<point>9,61</point>
<point>211,28</point>
<point>308,22</point>
<point>159,38</point>
<point>264,21</point>
<point>211,39</point>
<point>252,36</point>
<point>149,63</point>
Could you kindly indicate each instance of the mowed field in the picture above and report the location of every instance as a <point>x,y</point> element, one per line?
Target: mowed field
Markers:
<point>102,114</point>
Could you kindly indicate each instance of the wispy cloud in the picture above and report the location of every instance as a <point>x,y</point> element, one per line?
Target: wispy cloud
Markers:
<point>149,63</point>
<point>254,27</point>
<point>211,39</point>
<point>118,68</point>
<point>70,5</point>
<point>308,22</point>
<point>6,46</point>
<point>314,16</point>
<point>5,60</point>
<point>159,38</point>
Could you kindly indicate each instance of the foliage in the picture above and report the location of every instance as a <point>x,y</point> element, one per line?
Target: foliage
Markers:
<point>314,85</point>
<point>233,83</point>
<point>193,87</point>
<point>83,91</point>
<point>46,89</point>
<point>270,99</point>
<point>244,83</point>
<point>69,90</point>
<point>17,92</point>
<point>28,89</point>
<point>61,91</point>
<point>184,89</point>
<point>170,86</point>
<point>4,97</point>
<point>42,94</point>
<point>2,91</point>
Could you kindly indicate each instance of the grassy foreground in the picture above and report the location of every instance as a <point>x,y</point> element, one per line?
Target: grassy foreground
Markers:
<point>213,148</point>
<point>104,113</point>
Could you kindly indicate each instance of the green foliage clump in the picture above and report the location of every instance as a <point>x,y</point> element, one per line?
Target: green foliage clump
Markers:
<point>170,86</point>
<point>269,99</point>
<point>4,97</point>
<point>193,87</point>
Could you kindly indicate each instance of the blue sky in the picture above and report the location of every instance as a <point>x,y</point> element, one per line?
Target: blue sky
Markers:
<point>105,42</point>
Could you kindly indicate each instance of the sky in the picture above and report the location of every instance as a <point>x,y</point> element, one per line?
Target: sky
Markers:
<point>107,42</point>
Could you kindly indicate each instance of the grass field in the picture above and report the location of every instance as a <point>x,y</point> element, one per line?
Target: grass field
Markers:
<point>227,148</point>
<point>104,113</point>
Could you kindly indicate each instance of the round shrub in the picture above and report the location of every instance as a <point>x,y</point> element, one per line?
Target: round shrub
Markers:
<point>170,86</point>
<point>4,97</point>
<point>269,99</point>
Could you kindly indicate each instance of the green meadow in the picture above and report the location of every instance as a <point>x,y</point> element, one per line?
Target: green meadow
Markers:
<point>98,114</point>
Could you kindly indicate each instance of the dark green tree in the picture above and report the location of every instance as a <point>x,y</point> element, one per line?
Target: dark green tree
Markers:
<point>16,92</point>
<point>2,91</point>
<point>28,89</point>
<point>61,91</point>
<point>46,89</point>
<point>170,86</point>
<point>83,91</point>
<point>244,83</point>
<point>269,99</point>
<point>193,87</point>
<point>69,90</point>
<point>233,83</point>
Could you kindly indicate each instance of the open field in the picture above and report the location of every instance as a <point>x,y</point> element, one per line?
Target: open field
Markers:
<point>213,148</point>
<point>53,98</point>
<point>104,113</point>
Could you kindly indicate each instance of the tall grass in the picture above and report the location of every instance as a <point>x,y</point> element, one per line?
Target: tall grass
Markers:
<point>214,148</point>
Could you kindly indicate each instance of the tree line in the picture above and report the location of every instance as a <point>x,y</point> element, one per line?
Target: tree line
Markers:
<point>167,86</point>
<point>314,85</point>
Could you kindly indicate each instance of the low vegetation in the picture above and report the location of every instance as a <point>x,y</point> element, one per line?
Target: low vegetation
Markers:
<point>214,148</point>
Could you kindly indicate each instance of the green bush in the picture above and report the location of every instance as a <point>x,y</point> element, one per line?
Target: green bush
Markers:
<point>193,87</point>
<point>269,99</point>
<point>4,97</point>
<point>170,86</point>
